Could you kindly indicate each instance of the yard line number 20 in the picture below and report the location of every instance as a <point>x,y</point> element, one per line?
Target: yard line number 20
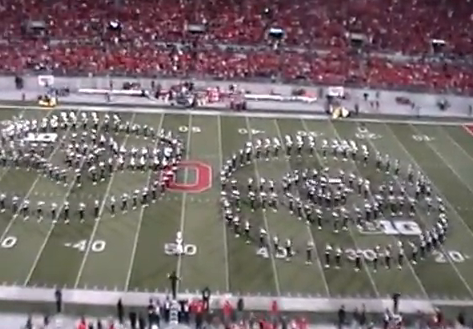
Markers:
<point>449,256</point>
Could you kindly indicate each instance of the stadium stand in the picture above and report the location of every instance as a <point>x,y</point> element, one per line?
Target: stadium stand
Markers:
<point>130,37</point>
<point>319,23</point>
<point>322,68</point>
<point>154,38</point>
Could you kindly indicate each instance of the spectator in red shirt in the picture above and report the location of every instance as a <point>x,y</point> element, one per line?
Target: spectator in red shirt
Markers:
<point>227,311</point>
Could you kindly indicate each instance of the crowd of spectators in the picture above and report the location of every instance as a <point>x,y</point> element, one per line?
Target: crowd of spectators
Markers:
<point>329,68</point>
<point>394,25</point>
<point>191,314</point>
<point>129,37</point>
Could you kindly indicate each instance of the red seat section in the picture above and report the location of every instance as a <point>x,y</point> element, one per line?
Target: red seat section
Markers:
<point>393,25</point>
<point>331,68</point>
<point>76,39</point>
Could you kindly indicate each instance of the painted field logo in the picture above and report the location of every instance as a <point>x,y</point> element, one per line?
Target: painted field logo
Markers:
<point>202,181</point>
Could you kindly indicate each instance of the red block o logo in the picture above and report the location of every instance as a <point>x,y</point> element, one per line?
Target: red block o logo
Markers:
<point>203,178</point>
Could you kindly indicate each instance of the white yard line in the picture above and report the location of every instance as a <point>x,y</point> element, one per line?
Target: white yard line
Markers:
<point>368,272</point>
<point>445,132</point>
<point>184,199</point>
<point>48,235</point>
<point>265,218</point>
<point>419,281</point>
<point>309,231</point>
<point>51,229</point>
<point>140,221</point>
<point>33,186</point>
<point>97,222</point>
<point>414,162</point>
<point>454,171</point>
<point>225,240</point>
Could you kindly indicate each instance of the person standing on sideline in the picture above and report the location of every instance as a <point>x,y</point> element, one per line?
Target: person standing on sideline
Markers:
<point>173,278</point>
<point>58,298</point>
<point>120,311</point>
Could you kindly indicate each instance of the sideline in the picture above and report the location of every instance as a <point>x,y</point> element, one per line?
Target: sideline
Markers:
<point>256,303</point>
<point>261,113</point>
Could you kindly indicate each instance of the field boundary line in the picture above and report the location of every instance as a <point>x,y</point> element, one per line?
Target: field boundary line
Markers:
<point>140,221</point>
<point>184,200</point>
<point>265,218</point>
<point>270,113</point>
<point>311,236</point>
<point>97,221</point>
<point>439,192</point>
<point>263,303</point>
<point>396,179</point>
<point>225,239</point>
<point>450,137</point>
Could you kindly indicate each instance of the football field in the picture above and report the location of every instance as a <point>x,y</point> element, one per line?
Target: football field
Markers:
<point>130,251</point>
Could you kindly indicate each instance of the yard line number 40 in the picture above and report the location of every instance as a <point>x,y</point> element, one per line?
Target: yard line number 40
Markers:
<point>10,242</point>
<point>82,245</point>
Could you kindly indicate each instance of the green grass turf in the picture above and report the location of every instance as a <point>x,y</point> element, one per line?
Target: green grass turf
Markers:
<point>134,259</point>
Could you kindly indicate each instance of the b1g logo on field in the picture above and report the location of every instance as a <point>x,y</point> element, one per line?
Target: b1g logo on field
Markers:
<point>202,181</point>
<point>394,227</point>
